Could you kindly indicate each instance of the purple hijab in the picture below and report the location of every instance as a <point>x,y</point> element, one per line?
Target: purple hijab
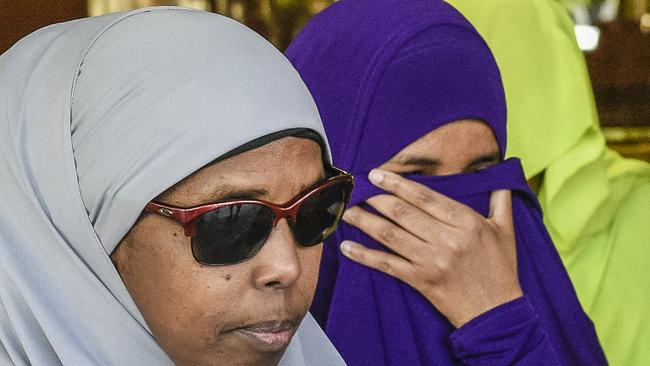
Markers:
<point>383,74</point>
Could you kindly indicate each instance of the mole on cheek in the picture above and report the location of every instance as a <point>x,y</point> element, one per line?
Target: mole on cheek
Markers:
<point>227,276</point>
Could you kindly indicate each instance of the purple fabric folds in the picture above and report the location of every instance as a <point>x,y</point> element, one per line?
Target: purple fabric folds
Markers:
<point>384,73</point>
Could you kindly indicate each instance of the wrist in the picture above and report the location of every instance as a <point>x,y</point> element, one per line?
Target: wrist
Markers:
<point>466,314</point>
<point>501,334</point>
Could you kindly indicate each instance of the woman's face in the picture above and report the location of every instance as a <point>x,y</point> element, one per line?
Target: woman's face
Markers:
<point>463,146</point>
<point>240,314</point>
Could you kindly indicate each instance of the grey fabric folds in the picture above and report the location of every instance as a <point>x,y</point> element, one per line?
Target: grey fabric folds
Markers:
<point>97,117</point>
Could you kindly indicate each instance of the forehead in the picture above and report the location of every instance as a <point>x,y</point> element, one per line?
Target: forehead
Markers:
<point>454,137</point>
<point>275,171</point>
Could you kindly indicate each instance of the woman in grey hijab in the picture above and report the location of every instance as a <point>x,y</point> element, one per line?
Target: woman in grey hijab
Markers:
<point>109,128</point>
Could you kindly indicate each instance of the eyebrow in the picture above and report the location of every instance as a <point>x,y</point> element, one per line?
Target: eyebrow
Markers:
<point>422,161</point>
<point>254,193</point>
<point>418,160</point>
<point>227,192</point>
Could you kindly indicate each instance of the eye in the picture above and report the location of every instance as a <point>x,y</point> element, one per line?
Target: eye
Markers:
<point>477,168</point>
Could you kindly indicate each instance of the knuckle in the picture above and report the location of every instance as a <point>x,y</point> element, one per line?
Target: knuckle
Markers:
<point>451,215</point>
<point>385,266</point>
<point>443,264</point>
<point>474,226</point>
<point>387,233</point>
<point>456,249</point>
<point>484,234</point>
<point>429,272</point>
<point>399,210</point>
<point>444,236</point>
<point>424,196</point>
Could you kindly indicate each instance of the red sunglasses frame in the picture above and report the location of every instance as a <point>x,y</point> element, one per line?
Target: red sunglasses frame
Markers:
<point>187,216</point>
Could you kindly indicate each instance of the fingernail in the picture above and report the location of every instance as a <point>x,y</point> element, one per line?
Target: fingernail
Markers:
<point>376,176</point>
<point>346,247</point>
<point>349,214</point>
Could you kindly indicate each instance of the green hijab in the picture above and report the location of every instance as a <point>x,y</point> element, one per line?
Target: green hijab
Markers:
<point>596,204</point>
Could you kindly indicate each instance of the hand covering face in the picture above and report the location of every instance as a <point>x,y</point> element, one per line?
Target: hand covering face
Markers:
<point>383,74</point>
<point>97,117</point>
<point>596,204</point>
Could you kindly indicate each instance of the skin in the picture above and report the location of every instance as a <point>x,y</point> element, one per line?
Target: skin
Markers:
<point>241,314</point>
<point>463,263</point>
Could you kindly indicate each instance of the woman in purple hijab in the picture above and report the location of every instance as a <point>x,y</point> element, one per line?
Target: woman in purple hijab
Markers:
<point>432,273</point>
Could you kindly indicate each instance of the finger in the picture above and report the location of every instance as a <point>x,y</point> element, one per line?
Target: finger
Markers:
<point>385,262</point>
<point>435,204</point>
<point>501,216</point>
<point>389,234</point>
<point>409,217</point>
<point>501,208</point>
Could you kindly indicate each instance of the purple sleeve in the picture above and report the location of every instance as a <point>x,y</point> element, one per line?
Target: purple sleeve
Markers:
<point>510,334</point>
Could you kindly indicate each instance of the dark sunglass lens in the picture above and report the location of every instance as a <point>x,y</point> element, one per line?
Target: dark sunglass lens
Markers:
<point>231,234</point>
<point>319,215</point>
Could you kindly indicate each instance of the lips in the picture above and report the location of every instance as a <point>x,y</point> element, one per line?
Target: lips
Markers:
<point>271,336</point>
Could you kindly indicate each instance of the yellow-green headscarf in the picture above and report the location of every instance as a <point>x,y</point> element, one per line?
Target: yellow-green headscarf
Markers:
<point>596,204</point>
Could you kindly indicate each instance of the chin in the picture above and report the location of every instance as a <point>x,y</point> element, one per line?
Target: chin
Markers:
<point>232,358</point>
<point>237,348</point>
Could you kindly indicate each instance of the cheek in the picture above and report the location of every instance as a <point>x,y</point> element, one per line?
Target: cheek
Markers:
<point>310,263</point>
<point>184,304</point>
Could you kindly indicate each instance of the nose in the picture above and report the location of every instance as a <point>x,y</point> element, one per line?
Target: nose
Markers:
<point>277,264</point>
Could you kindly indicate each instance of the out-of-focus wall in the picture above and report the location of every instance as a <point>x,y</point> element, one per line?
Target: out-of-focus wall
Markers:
<point>620,70</point>
<point>276,20</point>
<point>619,67</point>
<point>18,18</point>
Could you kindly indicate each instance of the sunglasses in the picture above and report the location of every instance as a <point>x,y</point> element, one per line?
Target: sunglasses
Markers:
<point>233,231</point>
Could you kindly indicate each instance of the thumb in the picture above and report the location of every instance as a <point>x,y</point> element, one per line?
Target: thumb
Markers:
<point>501,208</point>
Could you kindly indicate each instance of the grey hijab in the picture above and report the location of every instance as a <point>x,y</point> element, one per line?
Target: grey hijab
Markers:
<point>97,117</point>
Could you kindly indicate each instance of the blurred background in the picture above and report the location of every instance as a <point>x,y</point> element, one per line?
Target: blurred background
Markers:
<point>614,34</point>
